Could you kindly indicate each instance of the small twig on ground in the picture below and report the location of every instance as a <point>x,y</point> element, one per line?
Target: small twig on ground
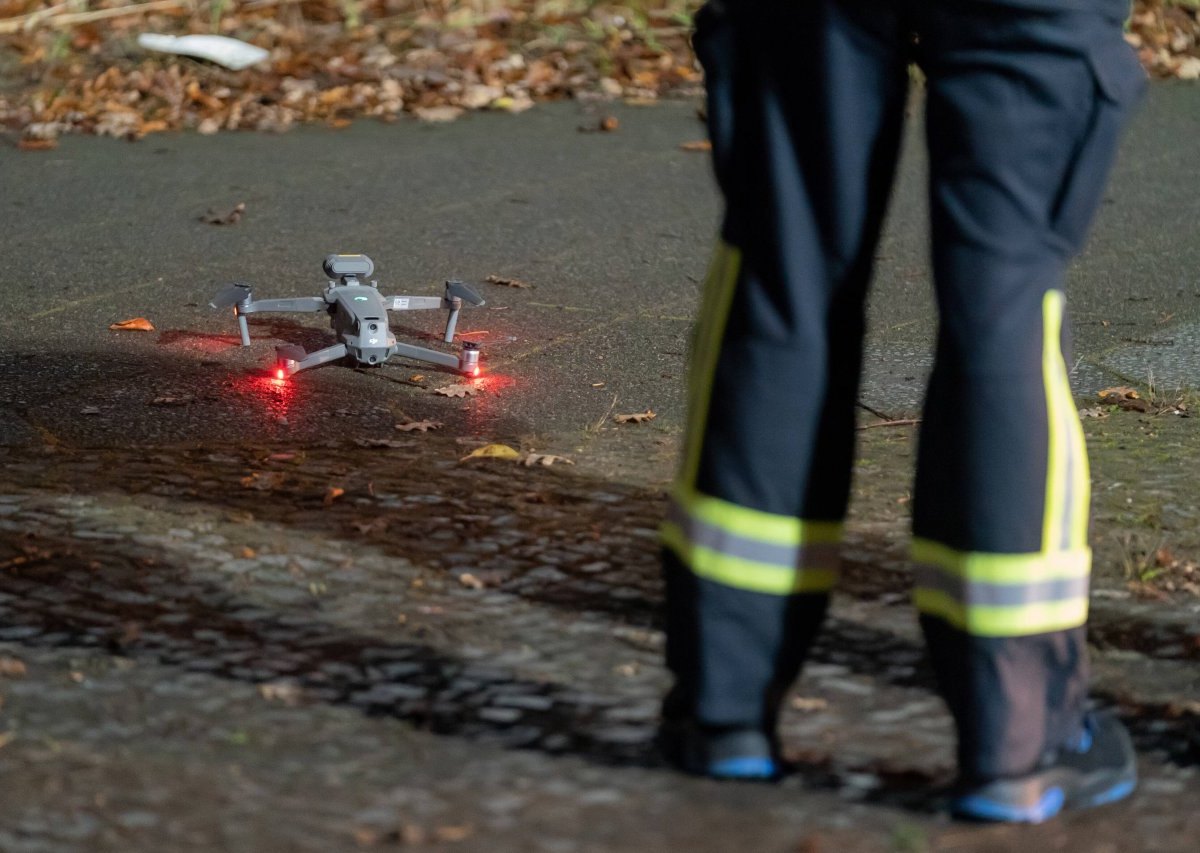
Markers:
<point>896,422</point>
<point>882,415</point>
<point>600,422</point>
<point>44,18</point>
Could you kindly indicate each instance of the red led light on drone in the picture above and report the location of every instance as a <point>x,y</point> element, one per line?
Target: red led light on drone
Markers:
<point>475,372</point>
<point>279,374</point>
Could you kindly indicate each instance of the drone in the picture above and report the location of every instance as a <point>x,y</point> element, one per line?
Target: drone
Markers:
<point>358,314</point>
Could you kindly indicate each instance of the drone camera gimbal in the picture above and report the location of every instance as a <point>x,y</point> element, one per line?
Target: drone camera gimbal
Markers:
<point>359,316</point>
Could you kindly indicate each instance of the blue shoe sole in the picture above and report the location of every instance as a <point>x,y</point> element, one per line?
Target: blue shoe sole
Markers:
<point>744,767</point>
<point>1052,802</point>
<point>984,809</point>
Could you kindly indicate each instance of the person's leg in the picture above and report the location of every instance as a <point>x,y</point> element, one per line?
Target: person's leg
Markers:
<point>805,111</point>
<point>1023,115</point>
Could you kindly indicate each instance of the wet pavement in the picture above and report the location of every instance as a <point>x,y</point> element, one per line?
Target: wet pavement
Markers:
<point>244,614</point>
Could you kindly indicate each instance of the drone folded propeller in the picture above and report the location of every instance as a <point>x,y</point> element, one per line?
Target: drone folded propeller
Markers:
<point>358,314</point>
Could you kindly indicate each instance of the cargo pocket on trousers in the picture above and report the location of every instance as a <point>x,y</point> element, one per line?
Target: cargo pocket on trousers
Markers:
<point>1119,84</point>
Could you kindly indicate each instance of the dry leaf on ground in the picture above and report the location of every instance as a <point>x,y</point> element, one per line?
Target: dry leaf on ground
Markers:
<point>457,391</point>
<point>503,281</point>
<point>332,494</point>
<point>809,703</point>
<point>453,834</point>
<point>281,691</point>
<point>492,451</point>
<point>172,400</point>
<point>419,426</point>
<point>37,144</point>
<point>263,482</point>
<point>380,442</point>
<point>470,581</point>
<point>233,217</point>
<point>544,459</point>
<point>605,124</point>
<point>637,418</point>
<point>12,667</point>
<point>698,145</point>
<point>1125,398</point>
<point>1119,392</point>
<point>135,324</point>
<point>438,114</point>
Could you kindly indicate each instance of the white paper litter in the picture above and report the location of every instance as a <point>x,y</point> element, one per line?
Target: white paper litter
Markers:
<point>222,50</point>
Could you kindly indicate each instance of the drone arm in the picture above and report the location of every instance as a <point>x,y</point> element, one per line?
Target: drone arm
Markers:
<point>311,304</point>
<point>413,303</point>
<point>432,356</point>
<point>315,359</point>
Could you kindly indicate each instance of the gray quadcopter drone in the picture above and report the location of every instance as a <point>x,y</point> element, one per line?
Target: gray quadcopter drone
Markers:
<point>359,317</point>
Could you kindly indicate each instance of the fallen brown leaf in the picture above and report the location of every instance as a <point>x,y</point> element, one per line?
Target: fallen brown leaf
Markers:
<point>380,442</point>
<point>809,704</point>
<point>506,282</point>
<point>438,114</point>
<point>281,691</point>
<point>136,324</point>
<point>697,145</point>
<point>375,525</point>
<point>470,581</point>
<point>37,144</point>
<point>12,667</point>
<point>605,124</point>
<point>248,553</point>
<point>453,834</point>
<point>419,426</point>
<point>637,418</point>
<point>1120,391</point>
<point>332,494</point>
<point>263,482</point>
<point>233,217</point>
<point>544,459</point>
<point>457,391</point>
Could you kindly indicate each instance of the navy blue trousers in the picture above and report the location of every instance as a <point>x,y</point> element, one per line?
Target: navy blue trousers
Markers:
<point>806,105</point>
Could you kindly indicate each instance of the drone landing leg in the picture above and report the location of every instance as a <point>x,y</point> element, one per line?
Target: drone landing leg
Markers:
<point>244,328</point>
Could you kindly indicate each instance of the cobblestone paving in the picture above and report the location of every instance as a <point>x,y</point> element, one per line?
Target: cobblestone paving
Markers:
<point>207,648</point>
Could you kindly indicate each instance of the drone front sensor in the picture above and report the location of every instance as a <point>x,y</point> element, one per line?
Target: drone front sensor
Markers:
<point>359,316</point>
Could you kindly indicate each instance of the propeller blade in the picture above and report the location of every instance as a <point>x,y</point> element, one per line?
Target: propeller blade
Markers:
<point>463,292</point>
<point>292,352</point>
<point>230,295</point>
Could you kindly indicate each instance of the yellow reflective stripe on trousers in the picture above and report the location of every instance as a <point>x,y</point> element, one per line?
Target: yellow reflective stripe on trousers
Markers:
<point>1068,482</point>
<point>750,549</point>
<point>1002,595</point>
<point>1003,569</point>
<point>998,621</point>
<point>719,287</point>
<point>1012,595</point>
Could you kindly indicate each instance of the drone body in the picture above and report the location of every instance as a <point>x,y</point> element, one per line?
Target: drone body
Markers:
<point>359,316</point>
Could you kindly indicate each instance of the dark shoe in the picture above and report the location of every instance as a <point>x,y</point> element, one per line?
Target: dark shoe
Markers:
<point>1101,768</point>
<point>719,753</point>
